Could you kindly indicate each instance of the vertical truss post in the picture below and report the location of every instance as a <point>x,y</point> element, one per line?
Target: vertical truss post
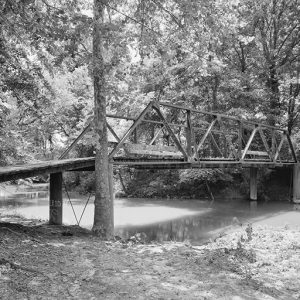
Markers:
<point>188,132</point>
<point>273,143</point>
<point>194,153</point>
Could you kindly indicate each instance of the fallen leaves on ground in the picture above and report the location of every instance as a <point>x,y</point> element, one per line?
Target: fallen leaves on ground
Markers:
<point>43,262</point>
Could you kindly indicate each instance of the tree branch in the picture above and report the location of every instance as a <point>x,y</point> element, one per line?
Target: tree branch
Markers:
<point>132,19</point>
<point>286,38</point>
<point>168,12</point>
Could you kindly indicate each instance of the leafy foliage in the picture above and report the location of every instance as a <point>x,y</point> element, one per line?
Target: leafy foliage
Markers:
<point>211,175</point>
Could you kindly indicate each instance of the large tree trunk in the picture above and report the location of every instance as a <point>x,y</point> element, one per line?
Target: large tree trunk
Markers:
<point>103,218</point>
<point>215,86</point>
<point>274,96</point>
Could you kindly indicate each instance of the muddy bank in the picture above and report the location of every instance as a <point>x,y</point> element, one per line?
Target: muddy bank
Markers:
<point>38,261</point>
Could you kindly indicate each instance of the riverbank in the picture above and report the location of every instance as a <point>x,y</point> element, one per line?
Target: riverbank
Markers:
<point>38,261</point>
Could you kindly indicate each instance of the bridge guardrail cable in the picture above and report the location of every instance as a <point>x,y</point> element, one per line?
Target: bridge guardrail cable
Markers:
<point>84,208</point>
<point>70,202</point>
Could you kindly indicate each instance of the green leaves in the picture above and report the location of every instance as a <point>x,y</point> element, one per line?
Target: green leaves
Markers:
<point>239,57</point>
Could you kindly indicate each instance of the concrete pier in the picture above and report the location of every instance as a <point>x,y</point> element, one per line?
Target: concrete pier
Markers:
<point>56,200</point>
<point>253,184</point>
<point>296,183</point>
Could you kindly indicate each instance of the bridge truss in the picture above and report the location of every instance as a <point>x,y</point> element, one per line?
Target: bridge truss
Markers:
<point>165,135</point>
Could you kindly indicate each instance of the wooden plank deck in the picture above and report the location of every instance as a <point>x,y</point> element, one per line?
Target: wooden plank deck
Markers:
<point>88,164</point>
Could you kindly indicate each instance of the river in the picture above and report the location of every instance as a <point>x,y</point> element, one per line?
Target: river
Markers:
<point>159,219</point>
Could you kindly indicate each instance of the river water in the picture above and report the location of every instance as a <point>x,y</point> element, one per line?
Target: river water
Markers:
<point>159,219</point>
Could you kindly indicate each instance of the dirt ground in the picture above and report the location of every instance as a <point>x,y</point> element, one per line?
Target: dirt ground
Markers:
<point>38,261</point>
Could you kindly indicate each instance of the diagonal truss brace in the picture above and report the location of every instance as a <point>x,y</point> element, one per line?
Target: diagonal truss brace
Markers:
<point>249,143</point>
<point>215,144</point>
<point>265,142</point>
<point>130,130</point>
<point>291,147</point>
<point>283,137</point>
<point>156,135</point>
<point>82,134</point>
<point>204,137</point>
<point>74,143</point>
<point>113,132</point>
<point>169,129</point>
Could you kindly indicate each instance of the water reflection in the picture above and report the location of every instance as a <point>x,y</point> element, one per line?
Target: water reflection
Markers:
<point>253,205</point>
<point>161,220</point>
<point>200,227</point>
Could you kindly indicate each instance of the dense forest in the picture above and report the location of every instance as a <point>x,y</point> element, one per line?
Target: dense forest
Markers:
<point>238,57</point>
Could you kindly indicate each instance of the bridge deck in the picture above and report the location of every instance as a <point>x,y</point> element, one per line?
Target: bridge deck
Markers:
<point>80,164</point>
<point>46,167</point>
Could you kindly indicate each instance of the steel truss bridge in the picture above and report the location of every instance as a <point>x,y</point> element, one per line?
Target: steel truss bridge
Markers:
<point>168,136</point>
<point>171,136</point>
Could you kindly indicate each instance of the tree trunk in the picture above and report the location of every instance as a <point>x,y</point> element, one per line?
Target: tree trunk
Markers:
<point>103,218</point>
<point>292,107</point>
<point>215,86</point>
<point>274,94</point>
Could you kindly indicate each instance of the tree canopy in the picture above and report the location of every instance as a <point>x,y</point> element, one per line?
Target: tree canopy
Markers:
<point>238,57</point>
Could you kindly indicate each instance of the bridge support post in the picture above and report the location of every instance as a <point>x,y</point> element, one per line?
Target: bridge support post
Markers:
<point>56,200</point>
<point>296,183</point>
<point>253,184</point>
